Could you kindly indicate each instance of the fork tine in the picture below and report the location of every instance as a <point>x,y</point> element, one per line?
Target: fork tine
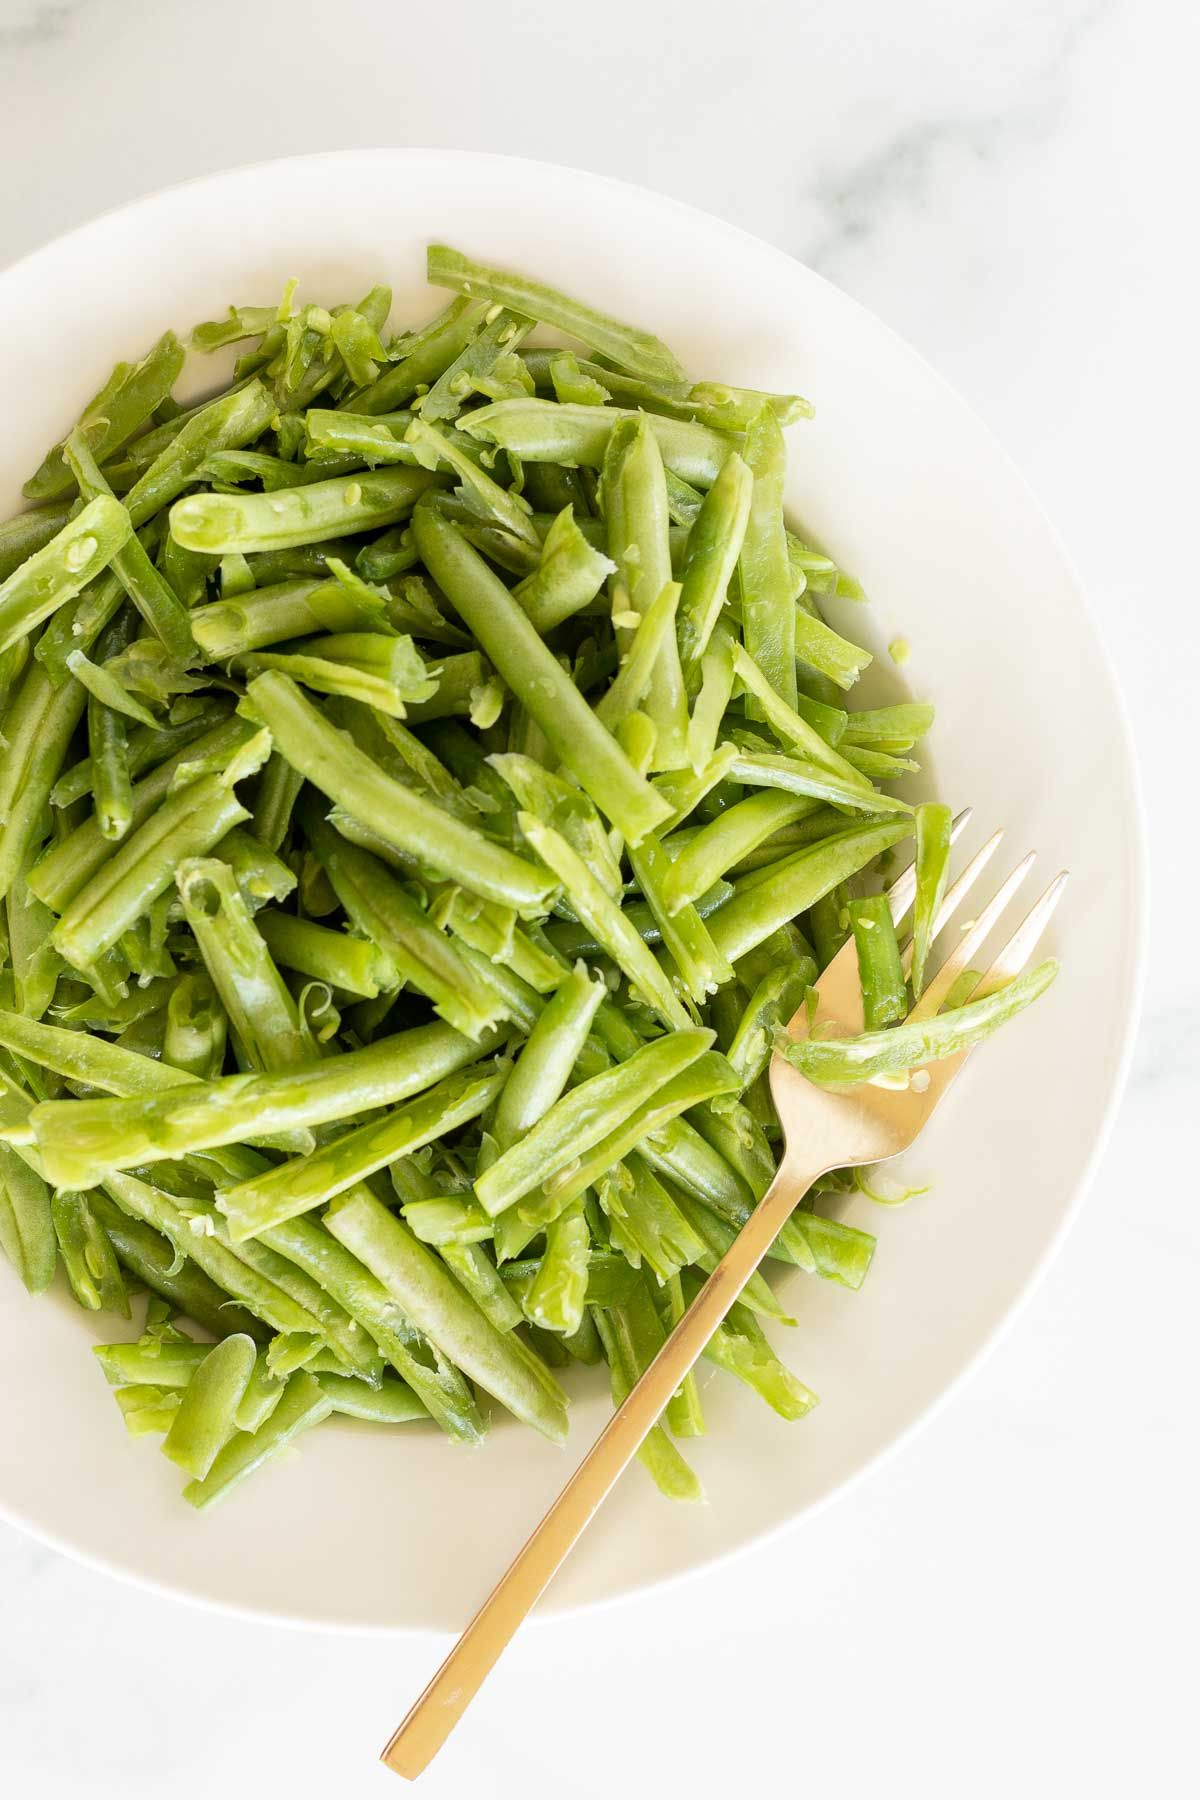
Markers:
<point>958,891</point>
<point>1022,943</point>
<point>960,957</point>
<point>903,889</point>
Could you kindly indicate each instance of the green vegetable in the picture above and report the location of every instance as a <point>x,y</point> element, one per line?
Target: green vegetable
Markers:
<point>933,825</point>
<point>467,798</point>
<point>911,1046</point>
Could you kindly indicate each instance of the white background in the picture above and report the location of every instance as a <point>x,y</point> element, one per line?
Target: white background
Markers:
<point>1008,1605</point>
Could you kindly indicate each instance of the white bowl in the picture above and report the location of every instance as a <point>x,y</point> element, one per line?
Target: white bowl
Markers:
<point>370,1529</point>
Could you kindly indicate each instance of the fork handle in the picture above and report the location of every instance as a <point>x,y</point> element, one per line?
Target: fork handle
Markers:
<point>431,1720</point>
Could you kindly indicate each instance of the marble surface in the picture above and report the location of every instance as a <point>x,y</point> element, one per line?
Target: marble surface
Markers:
<point>1005,1606</point>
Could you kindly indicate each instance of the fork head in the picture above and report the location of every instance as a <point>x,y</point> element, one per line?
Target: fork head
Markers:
<point>872,1121</point>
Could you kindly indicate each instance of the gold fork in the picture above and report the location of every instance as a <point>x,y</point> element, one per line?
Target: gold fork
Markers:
<point>823,1130</point>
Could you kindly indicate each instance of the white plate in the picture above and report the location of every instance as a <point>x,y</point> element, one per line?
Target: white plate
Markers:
<point>370,1529</point>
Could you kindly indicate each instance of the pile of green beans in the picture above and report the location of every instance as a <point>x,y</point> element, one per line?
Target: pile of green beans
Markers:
<point>428,789</point>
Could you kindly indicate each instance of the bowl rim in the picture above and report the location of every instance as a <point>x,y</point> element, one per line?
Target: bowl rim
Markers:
<point>1135,852</point>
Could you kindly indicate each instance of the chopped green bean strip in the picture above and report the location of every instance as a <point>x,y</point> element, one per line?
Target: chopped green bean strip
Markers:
<point>637,351</point>
<point>844,1061</point>
<point>933,822</point>
<point>206,1418</point>
<point>885,1000</point>
<point>304,1403</point>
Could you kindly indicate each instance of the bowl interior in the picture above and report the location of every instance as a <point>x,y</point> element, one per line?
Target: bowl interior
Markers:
<point>905,487</point>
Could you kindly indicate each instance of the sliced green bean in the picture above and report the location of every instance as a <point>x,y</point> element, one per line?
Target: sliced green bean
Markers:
<point>601,915</point>
<point>336,765</point>
<point>80,1141</point>
<point>219,523</point>
<point>533,675</point>
<point>295,1187</point>
<point>206,1418</point>
<point>303,1404</point>
<point>440,1308</point>
<point>640,352</point>
<point>885,999</point>
<point>933,826</point>
<point>568,577</point>
<point>62,568</point>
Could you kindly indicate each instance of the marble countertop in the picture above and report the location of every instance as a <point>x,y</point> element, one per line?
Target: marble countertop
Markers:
<point>1006,1606</point>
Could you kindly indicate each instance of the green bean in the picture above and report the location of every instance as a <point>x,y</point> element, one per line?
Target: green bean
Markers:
<point>922,1041</point>
<point>303,1404</point>
<point>739,1346</point>
<point>378,671</point>
<point>893,728</point>
<point>154,1260</point>
<point>194,1041</point>
<point>229,422</point>
<point>253,995</point>
<point>168,1362</point>
<point>190,822</point>
<point>568,577</point>
<point>634,683</point>
<point>811,781</point>
<point>714,545</point>
<point>67,866</point>
<point>558,803</point>
<point>639,545</point>
<point>645,1223</point>
<point>796,882</point>
<point>38,729</point>
<point>124,404</point>
<point>441,1389</point>
<point>153,596</point>
<point>228,628</point>
<point>347,963</point>
<point>584,1116</point>
<point>88,1257</point>
<point>108,747</point>
<point>447,1222</point>
<point>533,675</point>
<point>833,656</point>
<point>885,999</point>
<point>601,915</point>
<point>632,1335</point>
<point>637,351</point>
<point>36,965</point>
<point>708,1076</point>
<point>23,536</point>
<point>392,1404</point>
<point>478,1274</point>
<point>27,1234</point>
<point>335,765</point>
<point>295,1187</point>
<point>435,450</point>
<point>82,1140</point>
<point>62,568</point>
<point>188,1226</point>
<point>711,402</point>
<point>406,938</point>
<point>84,1058</point>
<point>550,1052</point>
<point>442,1310</point>
<point>725,840</point>
<point>555,1302</point>
<point>933,825</point>
<point>715,690</point>
<point>684,1415</point>
<point>427,354</point>
<point>764,577</point>
<point>206,1418</point>
<point>577,436</point>
<point>769,1008</point>
<point>219,523</point>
